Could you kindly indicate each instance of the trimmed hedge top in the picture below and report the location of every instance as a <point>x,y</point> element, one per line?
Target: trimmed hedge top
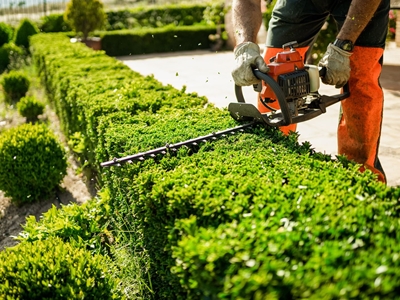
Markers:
<point>236,214</point>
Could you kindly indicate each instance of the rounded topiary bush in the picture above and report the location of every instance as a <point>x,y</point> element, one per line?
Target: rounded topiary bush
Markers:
<point>6,33</point>
<point>25,29</point>
<point>15,85</point>
<point>30,108</point>
<point>9,52</point>
<point>32,162</point>
<point>52,269</point>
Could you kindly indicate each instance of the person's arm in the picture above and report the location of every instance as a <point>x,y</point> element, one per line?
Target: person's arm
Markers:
<point>336,59</point>
<point>358,17</point>
<point>247,19</point>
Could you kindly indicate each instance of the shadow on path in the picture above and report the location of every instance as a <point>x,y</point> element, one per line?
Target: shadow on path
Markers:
<point>390,77</point>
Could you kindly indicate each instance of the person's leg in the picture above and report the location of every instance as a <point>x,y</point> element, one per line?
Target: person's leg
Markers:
<point>361,119</point>
<point>292,20</point>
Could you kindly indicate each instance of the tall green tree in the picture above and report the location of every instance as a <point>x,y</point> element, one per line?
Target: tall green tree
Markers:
<point>85,16</point>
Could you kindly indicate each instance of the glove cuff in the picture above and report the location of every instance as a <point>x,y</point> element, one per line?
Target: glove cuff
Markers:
<point>339,50</point>
<point>246,47</point>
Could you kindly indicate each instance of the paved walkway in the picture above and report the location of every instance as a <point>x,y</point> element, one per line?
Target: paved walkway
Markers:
<point>209,74</point>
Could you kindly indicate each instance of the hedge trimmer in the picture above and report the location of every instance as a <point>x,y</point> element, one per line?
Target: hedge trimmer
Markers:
<point>290,82</point>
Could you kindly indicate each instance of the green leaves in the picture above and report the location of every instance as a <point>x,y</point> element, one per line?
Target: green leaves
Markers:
<point>84,226</point>
<point>85,16</point>
<point>15,85</point>
<point>51,269</point>
<point>30,108</point>
<point>251,216</point>
<point>32,162</point>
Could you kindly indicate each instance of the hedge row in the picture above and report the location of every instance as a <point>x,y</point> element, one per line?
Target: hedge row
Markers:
<point>85,85</point>
<point>156,16</point>
<point>142,16</point>
<point>156,40</point>
<point>251,216</point>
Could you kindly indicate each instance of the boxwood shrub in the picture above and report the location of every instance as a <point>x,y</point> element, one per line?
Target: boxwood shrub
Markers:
<point>30,108</point>
<point>32,162</point>
<point>15,85</point>
<point>156,40</point>
<point>156,16</point>
<point>11,56</point>
<point>82,225</point>
<point>252,216</point>
<point>24,31</point>
<point>6,33</point>
<point>52,269</point>
<point>54,23</point>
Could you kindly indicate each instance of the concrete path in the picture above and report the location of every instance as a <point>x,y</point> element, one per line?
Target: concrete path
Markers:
<point>209,74</point>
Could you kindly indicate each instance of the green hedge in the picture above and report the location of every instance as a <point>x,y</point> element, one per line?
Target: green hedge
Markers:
<point>251,216</point>
<point>156,40</point>
<point>85,85</point>
<point>143,16</point>
<point>156,16</point>
<point>278,193</point>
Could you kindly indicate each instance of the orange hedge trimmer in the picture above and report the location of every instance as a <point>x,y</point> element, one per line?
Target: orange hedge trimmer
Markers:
<point>290,82</point>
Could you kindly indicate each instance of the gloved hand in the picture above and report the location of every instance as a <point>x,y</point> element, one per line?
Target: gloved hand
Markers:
<point>247,57</point>
<point>337,64</point>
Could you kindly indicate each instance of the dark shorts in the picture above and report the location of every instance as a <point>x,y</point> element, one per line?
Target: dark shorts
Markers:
<point>301,20</point>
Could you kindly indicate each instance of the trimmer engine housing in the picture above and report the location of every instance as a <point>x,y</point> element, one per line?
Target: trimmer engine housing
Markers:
<point>288,70</point>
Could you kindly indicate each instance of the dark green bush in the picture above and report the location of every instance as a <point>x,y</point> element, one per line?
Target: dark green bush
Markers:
<point>26,29</point>
<point>142,16</point>
<point>30,108</point>
<point>10,55</point>
<point>32,162</point>
<point>52,269</point>
<point>54,23</point>
<point>156,16</point>
<point>15,85</point>
<point>156,40</point>
<point>6,33</point>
